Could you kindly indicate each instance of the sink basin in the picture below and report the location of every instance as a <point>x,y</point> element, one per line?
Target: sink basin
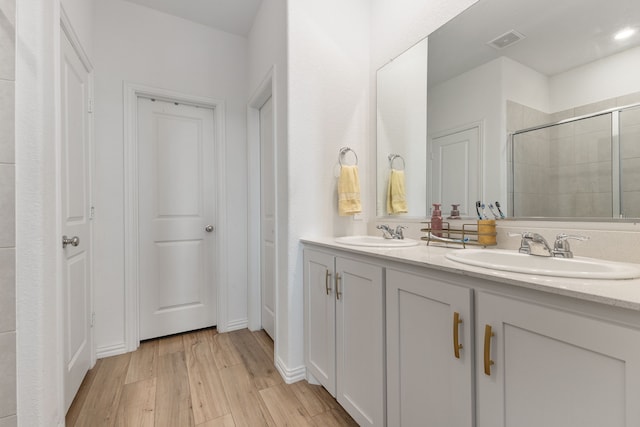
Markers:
<point>376,241</point>
<point>578,267</point>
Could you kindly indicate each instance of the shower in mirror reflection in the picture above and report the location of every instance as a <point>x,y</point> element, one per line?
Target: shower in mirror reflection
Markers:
<point>579,167</point>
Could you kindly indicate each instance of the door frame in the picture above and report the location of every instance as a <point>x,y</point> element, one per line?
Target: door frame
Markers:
<point>132,92</point>
<point>264,90</point>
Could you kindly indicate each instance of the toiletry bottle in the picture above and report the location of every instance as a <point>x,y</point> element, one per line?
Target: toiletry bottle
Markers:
<point>436,220</point>
<point>455,212</point>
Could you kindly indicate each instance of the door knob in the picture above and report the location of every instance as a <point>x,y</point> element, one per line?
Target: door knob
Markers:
<point>73,241</point>
<point>209,228</point>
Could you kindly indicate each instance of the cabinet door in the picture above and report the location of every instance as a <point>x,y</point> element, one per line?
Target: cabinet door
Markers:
<point>428,383</point>
<point>553,368</point>
<point>320,335</point>
<point>360,344</point>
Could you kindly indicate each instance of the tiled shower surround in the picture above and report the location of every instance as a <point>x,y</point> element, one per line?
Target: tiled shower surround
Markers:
<point>566,170</point>
<point>7,216</point>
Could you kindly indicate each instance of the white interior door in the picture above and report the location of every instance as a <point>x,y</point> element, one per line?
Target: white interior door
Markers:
<point>74,214</point>
<point>267,218</point>
<point>455,172</point>
<point>176,217</point>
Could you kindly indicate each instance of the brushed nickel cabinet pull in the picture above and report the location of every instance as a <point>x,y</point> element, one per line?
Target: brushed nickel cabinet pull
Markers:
<point>456,334</point>
<point>487,349</point>
<point>338,293</point>
<point>327,280</point>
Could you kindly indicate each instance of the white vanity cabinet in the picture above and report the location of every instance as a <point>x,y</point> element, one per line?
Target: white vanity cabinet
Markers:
<point>550,367</point>
<point>429,352</point>
<point>344,332</point>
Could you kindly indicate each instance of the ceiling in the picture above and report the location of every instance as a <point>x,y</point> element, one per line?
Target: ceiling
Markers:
<point>232,16</point>
<point>559,35</point>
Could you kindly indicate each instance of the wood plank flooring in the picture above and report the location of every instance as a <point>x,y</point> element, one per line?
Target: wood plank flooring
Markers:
<point>202,379</point>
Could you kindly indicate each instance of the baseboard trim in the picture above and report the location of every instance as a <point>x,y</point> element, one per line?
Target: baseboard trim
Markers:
<point>111,350</point>
<point>291,376</point>
<point>235,325</point>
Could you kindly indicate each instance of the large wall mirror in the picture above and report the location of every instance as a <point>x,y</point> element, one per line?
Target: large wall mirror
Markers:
<point>562,78</point>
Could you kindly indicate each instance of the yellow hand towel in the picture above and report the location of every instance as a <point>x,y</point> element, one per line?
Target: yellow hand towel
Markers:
<point>396,195</point>
<point>349,191</point>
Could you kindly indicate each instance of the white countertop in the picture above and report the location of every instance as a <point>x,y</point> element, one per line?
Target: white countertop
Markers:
<point>619,293</point>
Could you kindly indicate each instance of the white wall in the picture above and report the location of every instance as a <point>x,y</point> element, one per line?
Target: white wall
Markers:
<point>138,45</point>
<point>401,102</point>
<point>329,99</point>
<point>398,24</point>
<point>611,77</point>
<point>474,96</point>
<point>39,348</point>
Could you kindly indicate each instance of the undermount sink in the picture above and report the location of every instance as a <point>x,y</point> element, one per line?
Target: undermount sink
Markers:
<point>376,241</point>
<point>577,267</point>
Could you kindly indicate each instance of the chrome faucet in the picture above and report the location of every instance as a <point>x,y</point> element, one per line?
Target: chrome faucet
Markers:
<point>536,244</point>
<point>390,233</point>
<point>533,244</point>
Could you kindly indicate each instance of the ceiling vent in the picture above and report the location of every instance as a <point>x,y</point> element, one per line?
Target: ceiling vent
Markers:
<point>507,39</point>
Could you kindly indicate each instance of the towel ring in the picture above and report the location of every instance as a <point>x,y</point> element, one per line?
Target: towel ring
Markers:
<point>393,157</point>
<point>343,152</point>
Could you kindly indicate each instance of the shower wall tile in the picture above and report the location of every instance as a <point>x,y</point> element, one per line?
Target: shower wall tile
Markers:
<point>593,147</point>
<point>8,383</point>
<point>7,374</point>
<point>7,39</point>
<point>595,107</point>
<point>630,117</point>
<point>631,174</point>
<point>593,124</point>
<point>11,421</point>
<point>562,151</point>
<point>7,125</point>
<point>594,177</point>
<point>7,206</point>
<point>631,204</point>
<point>630,142</point>
<point>629,99</point>
<point>7,290</point>
<point>515,116</point>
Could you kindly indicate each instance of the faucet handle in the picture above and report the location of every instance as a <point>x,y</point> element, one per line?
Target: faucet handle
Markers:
<point>398,233</point>
<point>564,237</point>
<point>561,247</point>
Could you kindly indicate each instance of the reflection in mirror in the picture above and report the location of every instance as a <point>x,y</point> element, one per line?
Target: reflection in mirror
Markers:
<point>585,167</point>
<point>402,134</point>
<point>566,61</point>
<point>515,64</point>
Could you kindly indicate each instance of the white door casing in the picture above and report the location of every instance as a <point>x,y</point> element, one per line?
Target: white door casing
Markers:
<point>75,208</point>
<point>176,217</point>
<point>456,172</point>
<point>267,219</point>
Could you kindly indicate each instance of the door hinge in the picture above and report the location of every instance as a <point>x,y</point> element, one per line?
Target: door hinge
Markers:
<point>93,318</point>
<point>90,105</point>
<point>92,212</point>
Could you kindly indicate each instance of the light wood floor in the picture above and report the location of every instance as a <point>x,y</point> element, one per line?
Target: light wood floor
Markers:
<point>200,378</point>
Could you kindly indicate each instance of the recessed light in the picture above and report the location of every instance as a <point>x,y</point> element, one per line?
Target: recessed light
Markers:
<point>625,33</point>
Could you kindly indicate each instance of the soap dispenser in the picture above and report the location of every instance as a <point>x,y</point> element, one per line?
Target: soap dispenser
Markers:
<point>436,220</point>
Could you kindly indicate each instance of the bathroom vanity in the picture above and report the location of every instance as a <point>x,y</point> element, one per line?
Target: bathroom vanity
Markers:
<point>407,337</point>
